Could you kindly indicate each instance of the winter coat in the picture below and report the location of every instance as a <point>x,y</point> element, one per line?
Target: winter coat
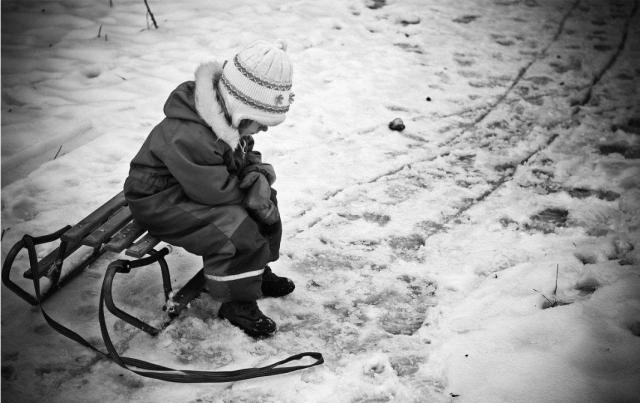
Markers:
<point>183,183</point>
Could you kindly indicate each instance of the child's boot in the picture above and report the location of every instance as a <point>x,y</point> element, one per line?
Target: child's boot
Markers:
<point>275,286</point>
<point>248,317</point>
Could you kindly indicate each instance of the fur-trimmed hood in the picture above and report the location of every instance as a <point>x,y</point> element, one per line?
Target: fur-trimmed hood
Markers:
<point>207,76</point>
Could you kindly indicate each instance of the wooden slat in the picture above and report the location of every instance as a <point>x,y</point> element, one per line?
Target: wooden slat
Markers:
<point>93,220</point>
<point>142,247</point>
<point>48,260</point>
<point>104,232</point>
<point>125,237</point>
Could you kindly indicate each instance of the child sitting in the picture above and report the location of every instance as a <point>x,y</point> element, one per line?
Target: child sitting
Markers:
<point>197,183</point>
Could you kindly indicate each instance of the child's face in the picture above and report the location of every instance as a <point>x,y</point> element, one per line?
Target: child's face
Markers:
<point>248,127</point>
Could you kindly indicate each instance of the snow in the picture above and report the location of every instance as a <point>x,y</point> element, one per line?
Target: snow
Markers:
<point>425,260</point>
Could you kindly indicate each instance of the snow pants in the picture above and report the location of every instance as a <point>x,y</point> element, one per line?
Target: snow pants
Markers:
<point>229,274</point>
<point>234,247</point>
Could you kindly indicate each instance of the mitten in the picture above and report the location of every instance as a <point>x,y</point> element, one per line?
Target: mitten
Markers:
<point>264,169</point>
<point>270,216</point>
<point>249,179</point>
<point>258,200</point>
<point>268,171</point>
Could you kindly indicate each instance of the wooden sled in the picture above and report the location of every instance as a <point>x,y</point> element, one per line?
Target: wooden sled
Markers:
<point>109,229</point>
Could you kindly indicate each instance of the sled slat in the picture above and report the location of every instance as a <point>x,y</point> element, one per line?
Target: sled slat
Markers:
<point>48,260</point>
<point>93,220</point>
<point>125,237</point>
<point>106,230</point>
<point>142,247</point>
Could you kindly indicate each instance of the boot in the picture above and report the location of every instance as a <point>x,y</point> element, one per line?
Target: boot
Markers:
<point>275,286</point>
<point>248,317</point>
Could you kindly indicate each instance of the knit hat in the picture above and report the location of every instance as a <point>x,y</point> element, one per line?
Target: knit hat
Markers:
<point>256,84</point>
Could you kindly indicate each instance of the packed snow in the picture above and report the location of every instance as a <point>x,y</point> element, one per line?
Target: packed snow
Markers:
<point>489,252</point>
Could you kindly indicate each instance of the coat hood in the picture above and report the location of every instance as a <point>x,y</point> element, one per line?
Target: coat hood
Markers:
<point>200,104</point>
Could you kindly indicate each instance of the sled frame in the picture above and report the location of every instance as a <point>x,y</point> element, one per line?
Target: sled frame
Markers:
<point>109,229</point>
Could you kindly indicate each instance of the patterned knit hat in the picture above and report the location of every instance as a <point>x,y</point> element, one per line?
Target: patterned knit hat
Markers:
<point>256,84</point>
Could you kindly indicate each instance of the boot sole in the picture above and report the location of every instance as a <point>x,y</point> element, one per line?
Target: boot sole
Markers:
<point>254,334</point>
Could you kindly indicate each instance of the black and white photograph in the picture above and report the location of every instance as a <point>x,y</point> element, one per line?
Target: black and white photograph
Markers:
<point>350,201</point>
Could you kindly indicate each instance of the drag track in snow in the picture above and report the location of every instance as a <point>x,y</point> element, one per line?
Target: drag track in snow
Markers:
<point>445,148</point>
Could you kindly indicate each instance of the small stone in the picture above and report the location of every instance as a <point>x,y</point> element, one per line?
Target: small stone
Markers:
<point>396,124</point>
<point>410,20</point>
<point>428,99</point>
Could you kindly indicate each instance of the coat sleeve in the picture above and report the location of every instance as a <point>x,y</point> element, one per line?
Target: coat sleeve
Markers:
<point>200,170</point>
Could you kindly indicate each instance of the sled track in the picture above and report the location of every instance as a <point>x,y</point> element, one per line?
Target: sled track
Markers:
<point>623,42</point>
<point>521,74</point>
<point>505,178</point>
<point>475,122</point>
<point>595,81</point>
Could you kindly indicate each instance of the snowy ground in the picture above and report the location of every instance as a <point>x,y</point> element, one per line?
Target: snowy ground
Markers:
<point>425,260</point>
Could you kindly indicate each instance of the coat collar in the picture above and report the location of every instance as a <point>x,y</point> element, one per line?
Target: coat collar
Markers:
<point>206,78</point>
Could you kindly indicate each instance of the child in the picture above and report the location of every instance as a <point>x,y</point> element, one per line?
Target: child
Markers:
<point>197,183</point>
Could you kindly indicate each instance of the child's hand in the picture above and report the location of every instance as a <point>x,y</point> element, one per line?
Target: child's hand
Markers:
<point>269,216</point>
<point>268,171</point>
<point>249,179</point>
<point>262,169</point>
<point>258,199</point>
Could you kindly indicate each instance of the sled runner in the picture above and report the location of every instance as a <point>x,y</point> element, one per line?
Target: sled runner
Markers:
<point>112,229</point>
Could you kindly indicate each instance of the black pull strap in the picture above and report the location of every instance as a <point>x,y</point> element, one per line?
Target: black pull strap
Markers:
<point>148,369</point>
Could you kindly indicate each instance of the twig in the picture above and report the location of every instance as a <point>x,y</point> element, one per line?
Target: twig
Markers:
<point>57,153</point>
<point>556,288</point>
<point>99,30</point>
<point>4,230</point>
<point>552,303</point>
<point>153,19</point>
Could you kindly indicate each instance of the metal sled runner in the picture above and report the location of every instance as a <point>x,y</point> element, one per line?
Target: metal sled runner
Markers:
<point>111,228</point>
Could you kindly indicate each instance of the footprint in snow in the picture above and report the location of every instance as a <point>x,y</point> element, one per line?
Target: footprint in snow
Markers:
<point>376,4</point>
<point>465,19</point>
<point>405,311</point>
<point>627,151</point>
<point>407,247</point>
<point>548,220</point>
<point>573,64</point>
<point>587,286</point>
<point>583,193</point>
<point>540,80</point>
<point>406,365</point>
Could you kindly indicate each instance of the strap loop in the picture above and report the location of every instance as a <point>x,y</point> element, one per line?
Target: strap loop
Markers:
<point>121,266</point>
<point>145,368</point>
